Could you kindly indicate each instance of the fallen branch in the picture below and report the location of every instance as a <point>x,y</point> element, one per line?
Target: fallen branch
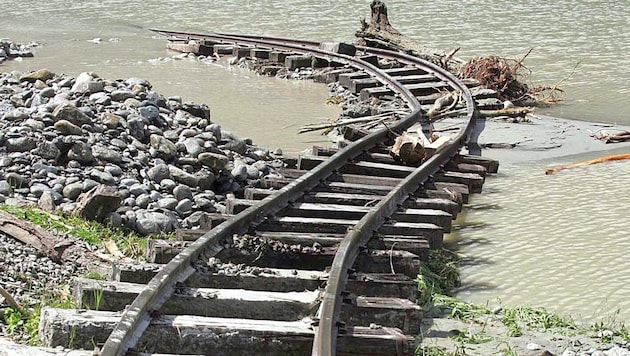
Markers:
<point>589,162</point>
<point>369,119</point>
<point>11,301</point>
<point>57,248</point>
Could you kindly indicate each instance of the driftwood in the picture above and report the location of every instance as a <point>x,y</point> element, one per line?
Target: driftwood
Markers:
<point>607,137</point>
<point>381,34</point>
<point>58,249</point>
<point>589,162</point>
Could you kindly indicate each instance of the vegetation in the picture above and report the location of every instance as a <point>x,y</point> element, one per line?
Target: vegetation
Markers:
<point>26,323</point>
<point>92,232</point>
<point>440,275</point>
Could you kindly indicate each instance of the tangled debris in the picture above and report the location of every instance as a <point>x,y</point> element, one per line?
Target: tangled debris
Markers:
<point>497,74</point>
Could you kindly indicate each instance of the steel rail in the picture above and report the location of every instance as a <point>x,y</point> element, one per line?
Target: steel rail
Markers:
<point>326,335</point>
<point>137,317</point>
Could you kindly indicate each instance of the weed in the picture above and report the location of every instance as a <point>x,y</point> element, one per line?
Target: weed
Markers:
<point>467,337</point>
<point>458,309</point>
<point>536,318</point>
<point>14,320</point>
<point>72,337</point>
<point>425,350</point>
<point>91,232</point>
<point>507,349</point>
<point>98,298</point>
<point>96,275</point>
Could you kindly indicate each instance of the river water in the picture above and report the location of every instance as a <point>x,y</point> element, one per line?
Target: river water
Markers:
<point>554,241</point>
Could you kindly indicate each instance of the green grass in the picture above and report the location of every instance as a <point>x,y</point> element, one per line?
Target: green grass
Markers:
<point>459,310</point>
<point>535,319</point>
<point>26,323</point>
<point>92,232</point>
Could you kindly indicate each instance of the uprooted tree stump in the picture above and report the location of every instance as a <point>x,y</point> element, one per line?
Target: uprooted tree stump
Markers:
<point>380,33</point>
<point>497,74</point>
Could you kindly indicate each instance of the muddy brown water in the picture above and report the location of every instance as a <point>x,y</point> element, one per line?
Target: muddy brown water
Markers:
<point>556,241</point>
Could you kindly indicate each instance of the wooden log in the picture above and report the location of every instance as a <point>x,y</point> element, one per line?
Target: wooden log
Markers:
<point>589,162</point>
<point>196,335</point>
<point>57,248</point>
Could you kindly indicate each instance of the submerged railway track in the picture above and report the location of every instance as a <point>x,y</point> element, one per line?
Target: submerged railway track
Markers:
<point>321,261</point>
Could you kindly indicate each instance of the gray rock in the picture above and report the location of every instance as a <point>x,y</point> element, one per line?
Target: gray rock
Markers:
<point>184,207</point>
<point>151,222</point>
<point>98,203</point>
<point>5,188</point>
<point>102,177</point>
<point>206,179</point>
<point>81,85</point>
<point>237,145</point>
<point>46,202</point>
<point>114,170</point>
<point>67,128</point>
<point>167,203</point>
<point>138,189</point>
<point>132,103</point>
<point>19,114</point>
<point>37,189</point>
<point>21,144</point>
<point>159,173</point>
<point>110,120</point>
<point>165,148</point>
<point>193,146</point>
<point>135,126</point>
<point>122,95</point>
<point>69,112</point>
<point>73,190</point>
<point>239,172</point>
<point>182,192</point>
<point>149,112</point>
<point>143,200</point>
<point>17,181</point>
<point>183,177</point>
<point>214,160</point>
<point>168,185</point>
<point>34,124</point>
<point>107,154</point>
<point>81,152</point>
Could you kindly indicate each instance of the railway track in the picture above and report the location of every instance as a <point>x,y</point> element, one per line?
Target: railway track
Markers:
<point>320,261</point>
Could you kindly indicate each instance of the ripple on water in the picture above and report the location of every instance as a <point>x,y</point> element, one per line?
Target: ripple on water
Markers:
<point>557,241</point>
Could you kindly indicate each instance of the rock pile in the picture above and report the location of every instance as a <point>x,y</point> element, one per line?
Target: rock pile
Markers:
<point>10,49</point>
<point>119,152</point>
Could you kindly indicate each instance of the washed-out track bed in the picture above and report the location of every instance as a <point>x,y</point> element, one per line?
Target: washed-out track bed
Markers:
<point>322,261</point>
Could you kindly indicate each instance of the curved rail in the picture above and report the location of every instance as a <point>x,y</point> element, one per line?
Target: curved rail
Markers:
<point>136,318</point>
<point>326,336</point>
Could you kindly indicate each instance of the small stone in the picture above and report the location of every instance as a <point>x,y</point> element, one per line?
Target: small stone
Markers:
<point>67,128</point>
<point>122,95</point>
<point>42,74</point>
<point>165,148</point>
<point>183,177</point>
<point>533,346</point>
<point>81,152</point>
<point>184,207</point>
<point>159,173</point>
<point>21,144</point>
<point>98,203</point>
<point>167,203</point>
<point>47,202</point>
<point>182,192</point>
<point>5,188</point>
<point>73,190</point>
<point>69,112</point>
<point>214,160</point>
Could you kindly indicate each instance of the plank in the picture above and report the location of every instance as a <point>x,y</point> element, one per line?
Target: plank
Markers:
<point>208,336</point>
